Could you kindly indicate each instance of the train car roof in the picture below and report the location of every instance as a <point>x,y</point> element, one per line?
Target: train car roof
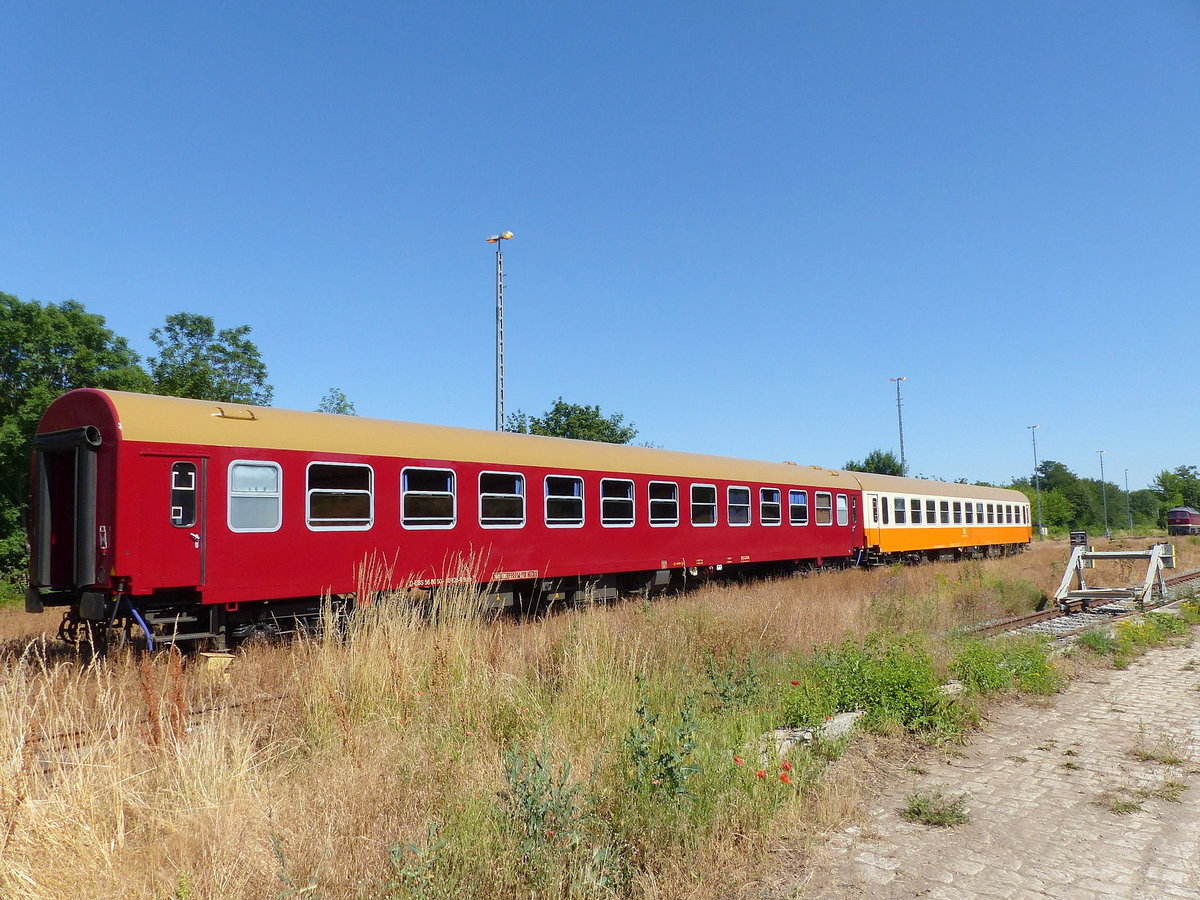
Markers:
<point>891,484</point>
<point>178,421</point>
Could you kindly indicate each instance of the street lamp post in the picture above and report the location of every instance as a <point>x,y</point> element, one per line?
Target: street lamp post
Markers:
<point>1037,480</point>
<point>900,421</point>
<point>496,239</point>
<point>1104,493</point>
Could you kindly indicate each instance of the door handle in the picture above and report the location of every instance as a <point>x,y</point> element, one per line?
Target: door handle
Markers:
<point>195,539</point>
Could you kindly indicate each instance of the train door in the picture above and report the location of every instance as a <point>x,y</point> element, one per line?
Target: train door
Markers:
<point>873,517</point>
<point>174,522</point>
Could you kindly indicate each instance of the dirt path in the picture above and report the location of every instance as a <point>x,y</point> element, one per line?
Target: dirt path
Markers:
<point>1094,795</point>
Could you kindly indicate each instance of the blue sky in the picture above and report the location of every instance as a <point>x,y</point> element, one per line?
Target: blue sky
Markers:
<point>733,223</point>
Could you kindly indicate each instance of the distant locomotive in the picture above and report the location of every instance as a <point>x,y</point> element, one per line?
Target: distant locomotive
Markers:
<point>199,521</point>
<point>1183,520</point>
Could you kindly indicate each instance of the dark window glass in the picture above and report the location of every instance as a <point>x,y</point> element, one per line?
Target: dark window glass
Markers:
<point>183,494</point>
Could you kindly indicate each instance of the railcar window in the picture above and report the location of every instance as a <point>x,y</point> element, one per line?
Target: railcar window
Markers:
<point>957,512</point>
<point>427,498</point>
<point>664,503</point>
<point>564,501</point>
<point>255,496</point>
<point>991,514</point>
<point>1008,513</point>
<point>979,513</point>
<point>823,508</point>
<point>739,506</point>
<point>770,510</point>
<point>183,494</point>
<point>930,512</point>
<point>885,511</point>
<point>843,510</point>
<point>501,500</point>
<point>914,507</point>
<point>969,509</point>
<point>944,509</point>
<point>339,496</point>
<point>901,518</point>
<point>874,510</point>
<point>704,504</point>
<point>616,503</point>
<point>798,507</point>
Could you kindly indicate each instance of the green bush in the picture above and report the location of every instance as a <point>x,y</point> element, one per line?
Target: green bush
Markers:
<point>981,668</point>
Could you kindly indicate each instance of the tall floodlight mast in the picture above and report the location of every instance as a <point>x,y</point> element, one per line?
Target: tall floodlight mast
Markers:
<point>496,239</point>
<point>1104,493</point>
<point>900,420</point>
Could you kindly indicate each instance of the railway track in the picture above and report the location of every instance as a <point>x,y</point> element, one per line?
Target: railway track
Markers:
<point>1078,615</point>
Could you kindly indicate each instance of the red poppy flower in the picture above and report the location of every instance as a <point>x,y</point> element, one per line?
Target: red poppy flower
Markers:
<point>761,774</point>
<point>785,778</point>
<point>786,766</point>
<point>738,760</point>
<point>795,683</point>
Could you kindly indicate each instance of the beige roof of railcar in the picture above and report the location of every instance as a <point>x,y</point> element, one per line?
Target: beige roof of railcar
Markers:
<point>890,484</point>
<point>171,420</point>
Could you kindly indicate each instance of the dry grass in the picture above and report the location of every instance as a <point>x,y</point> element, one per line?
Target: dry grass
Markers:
<point>320,764</point>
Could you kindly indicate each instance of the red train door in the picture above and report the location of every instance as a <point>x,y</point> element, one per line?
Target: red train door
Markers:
<point>174,521</point>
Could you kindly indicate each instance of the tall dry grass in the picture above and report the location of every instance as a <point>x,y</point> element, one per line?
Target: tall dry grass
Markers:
<point>391,758</point>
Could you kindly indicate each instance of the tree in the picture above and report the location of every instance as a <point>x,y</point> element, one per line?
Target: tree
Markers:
<point>569,420</point>
<point>46,351</point>
<point>337,403</point>
<point>195,360</point>
<point>881,462</point>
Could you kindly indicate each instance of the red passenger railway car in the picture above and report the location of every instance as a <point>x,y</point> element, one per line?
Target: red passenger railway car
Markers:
<point>197,520</point>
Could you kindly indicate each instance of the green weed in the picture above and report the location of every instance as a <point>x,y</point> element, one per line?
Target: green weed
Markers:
<point>933,807</point>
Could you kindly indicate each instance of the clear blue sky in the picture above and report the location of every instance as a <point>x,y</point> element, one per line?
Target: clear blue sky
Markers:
<point>734,223</point>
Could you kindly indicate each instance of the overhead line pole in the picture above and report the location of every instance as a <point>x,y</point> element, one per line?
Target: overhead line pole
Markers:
<point>900,420</point>
<point>1037,481</point>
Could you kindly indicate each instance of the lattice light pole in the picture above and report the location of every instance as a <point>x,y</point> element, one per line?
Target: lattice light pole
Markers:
<point>1104,493</point>
<point>900,420</point>
<point>496,239</point>
<point>1037,481</point>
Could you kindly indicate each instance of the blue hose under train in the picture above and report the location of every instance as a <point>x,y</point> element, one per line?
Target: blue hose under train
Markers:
<point>137,617</point>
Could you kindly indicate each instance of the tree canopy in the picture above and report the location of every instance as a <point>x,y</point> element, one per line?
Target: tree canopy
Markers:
<point>337,403</point>
<point>195,360</point>
<point>880,462</point>
<point>570,420</point>
<point>46,351</point>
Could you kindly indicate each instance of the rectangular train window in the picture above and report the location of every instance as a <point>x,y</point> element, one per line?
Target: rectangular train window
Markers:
<point>798,507</point>
<point>944,509</point>
<point>664,504</point>
<point>1008,513</point>
<point>823,508</point>
<point>899,510</point>
<point>564,501</point>
<point>930,512</point>
<point>843,510</point>
<point>991,514</point>
<point>970,510</point>
<point>978,513</point>
<point>501,500</point>
<point>616,503</point>
<point>739,506</point>
<point>914,506</point>
<point>183,494</point>
<point>958,511</point>
<point>427,498</point>
<point>340,497</point>
<point>704,504</point>
<point>885,511</point>
<point>770,510</point>
<point>874,510</point>
<point>255,496</point>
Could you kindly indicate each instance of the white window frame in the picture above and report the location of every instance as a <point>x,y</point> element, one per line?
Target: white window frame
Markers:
<point>842,510</point>
<point>524,502</point>
<point>747,506</point>
<point>453,493</point>
<point>807,515</point>
<point>562,522</point>
<point>309,491</point>
<point>692,505</point>
<point>817,495</point>
<point>632,499</point>
<point>232,495</point>
<point>651,500</point>
<point>764,502</point>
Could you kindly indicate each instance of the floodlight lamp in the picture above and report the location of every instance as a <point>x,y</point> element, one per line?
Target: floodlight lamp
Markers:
<point>497,238</point>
